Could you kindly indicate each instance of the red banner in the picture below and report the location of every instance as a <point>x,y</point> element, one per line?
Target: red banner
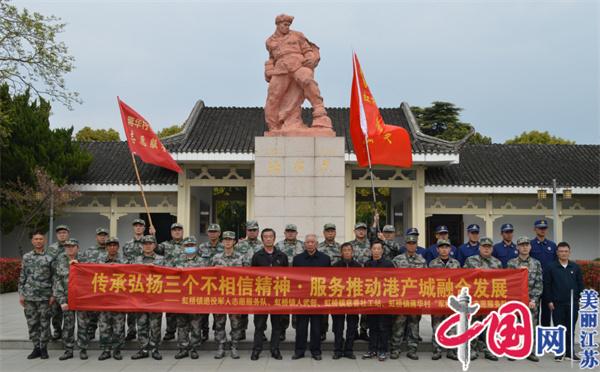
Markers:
<point>142,140</point>
<point>287,290</point>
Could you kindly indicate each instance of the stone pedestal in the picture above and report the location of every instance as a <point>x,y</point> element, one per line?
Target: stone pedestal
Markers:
<point>299,180</point>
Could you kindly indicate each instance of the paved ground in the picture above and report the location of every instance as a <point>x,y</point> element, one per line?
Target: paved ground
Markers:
<point>14,347</point>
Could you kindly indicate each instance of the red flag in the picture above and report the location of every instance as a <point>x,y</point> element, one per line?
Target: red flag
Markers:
<point>387,144</point>
<point>142,140</point>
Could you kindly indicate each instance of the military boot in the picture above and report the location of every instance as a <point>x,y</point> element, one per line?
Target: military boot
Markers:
<point>220,354</point>
<point>105,355</point>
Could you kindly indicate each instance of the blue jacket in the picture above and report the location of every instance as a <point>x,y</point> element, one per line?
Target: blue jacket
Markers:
<point>432,253</point>
<point>543,251</point>
<point>465,251</point>
<point>559,281</point>
<point>505,252</point>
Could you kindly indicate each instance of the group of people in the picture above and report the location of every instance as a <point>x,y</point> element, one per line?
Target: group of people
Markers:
<point>43,288</point>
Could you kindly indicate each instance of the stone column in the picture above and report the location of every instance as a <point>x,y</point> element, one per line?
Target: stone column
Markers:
<point>299,180</point>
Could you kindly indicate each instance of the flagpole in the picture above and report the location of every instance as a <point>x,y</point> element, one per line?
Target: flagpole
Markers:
<point>366,137</point>
<point>137,173</point>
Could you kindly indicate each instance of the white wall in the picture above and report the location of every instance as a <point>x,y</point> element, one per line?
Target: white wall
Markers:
<point>583,235</point>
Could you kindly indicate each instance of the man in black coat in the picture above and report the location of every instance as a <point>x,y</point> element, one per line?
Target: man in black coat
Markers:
<point>311,257</point>
<point>268,256</point>
<point>561,278</point>
<point>345,347</point>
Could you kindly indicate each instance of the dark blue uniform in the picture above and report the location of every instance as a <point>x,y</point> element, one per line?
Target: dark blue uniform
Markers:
<point>545,252</point>
<point>559,281</point>
<point>318,259</point>
<point>465,251</point>
<point>432,253</point>
<point>505,252</point>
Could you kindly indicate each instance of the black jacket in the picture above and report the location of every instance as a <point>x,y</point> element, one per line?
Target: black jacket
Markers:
<point>318,259</point>
<point>344,263</point>
<point>262,258</point>
<point>558,282</point>
<point>382,262</point>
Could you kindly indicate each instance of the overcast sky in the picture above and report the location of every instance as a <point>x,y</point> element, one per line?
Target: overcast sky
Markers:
<point>512,65</point>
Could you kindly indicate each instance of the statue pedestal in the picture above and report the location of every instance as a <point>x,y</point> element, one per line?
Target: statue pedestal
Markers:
<point>301,132</point>
<point>299,180</point>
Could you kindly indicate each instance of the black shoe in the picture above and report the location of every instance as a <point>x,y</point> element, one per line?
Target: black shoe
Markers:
<point>83,354</point>
<point>575,358</point>
<point>194,354</point>
<point>349,355</point>
<point>130,337</point>
<point>156,355</point>
<point>105,355</point>
<point>140,355</point>
<point>412,355</point>
<point>35,353</point>
<point>297,356</point>
<point>510,359</point>
<point>337,355</point>
<point>67,355</point>
<point>183,353</point>
<point>117,355</point>
<point>437,355</point>
<point>169,336</point>
<point>559,358</point>
<point>276,354</point>
<point>317,357</point>
<point>489,356</point>
<point>204,335</point>
<point>44,352</point>
<point>282,337</point>
<point>255,355</point>
<point>533,358</point>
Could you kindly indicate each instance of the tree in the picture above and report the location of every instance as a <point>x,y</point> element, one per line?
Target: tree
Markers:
<point>31,57</point>
<point>169,131</point>
<point>87,134</point>
<point>31,144</point>
<point>442,120</point>
<point>537,137</point>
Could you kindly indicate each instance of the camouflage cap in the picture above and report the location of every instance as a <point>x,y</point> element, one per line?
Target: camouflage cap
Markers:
<point>486,241</point>
<point>443,242</point>
<point>101,230</point>
<point>388,228</point>
<point>191,240</point>
<point>329,226</point>
<point>112,240</point>
<point>360,225</point>
<point>138,221</point>
<point>291,227</point>
<point>71,242</point>
<point>252,225</point>
<point>411,239</point>
<point>214,227</point>
<point>523,240</point>
<point>228,235</point>
<point>148,239</point>
<point>62,227</point>
<point>176,225</point>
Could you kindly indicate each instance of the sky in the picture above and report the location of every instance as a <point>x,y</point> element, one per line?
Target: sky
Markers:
<point>511,65</point>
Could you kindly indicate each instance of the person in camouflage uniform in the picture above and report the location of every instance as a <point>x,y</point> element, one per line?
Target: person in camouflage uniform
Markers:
<point>207,251</point>
<point>149,324</point>
<point>229,257</point>
<point>408,324</point>
<point>247,247</point>
<point>35,294</point>
<point>189,323</point>
<point>91,255</point>
<point>54,250</point>
<point>484,260</point>
<point>61,293</point>
<point>131,250</point>
<point>535,279</point>
<point>171,250</point>
<point>362,253</point>
<point>442,261</point>
<point>290,246</point>
<point>111,323</point>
